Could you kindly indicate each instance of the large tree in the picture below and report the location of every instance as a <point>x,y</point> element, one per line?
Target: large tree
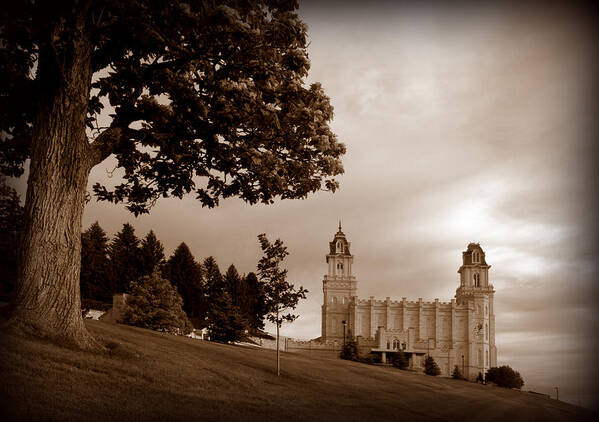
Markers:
<point>203,96</point>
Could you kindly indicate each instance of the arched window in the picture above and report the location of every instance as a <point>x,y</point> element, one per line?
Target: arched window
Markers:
<point>388,346</point>
<point>486,332</point>
<point>475,256</point>
<point>340,268</point>
<point>476,280</point>
<point>487,359</point>
<point>339,246</point>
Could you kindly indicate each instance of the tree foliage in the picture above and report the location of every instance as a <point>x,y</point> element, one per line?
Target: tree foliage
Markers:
<point>504,376</point>
<point>151,254</point>
<point>11,226</point>
<point>95,270</point>
<point>456,374</point>
<point>155,304</point>
<point>217,87</point>
<point>254,302</point>
<point>187,276</point>
<point>125,258</point>
<point>400,360</point>
<point>280,296</point>
<point>431,367</point>
<point>350,351</point>
<point>227,322</point>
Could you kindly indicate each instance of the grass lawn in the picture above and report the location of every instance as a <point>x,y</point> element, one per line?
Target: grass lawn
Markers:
<point>154,376</point>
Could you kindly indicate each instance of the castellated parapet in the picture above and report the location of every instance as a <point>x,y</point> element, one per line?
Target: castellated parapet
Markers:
<point>459,332</point>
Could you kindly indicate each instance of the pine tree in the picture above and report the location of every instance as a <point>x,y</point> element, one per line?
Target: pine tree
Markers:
<point>186,275</point>
<point>11,226</point>
<point>254,304</point>
<point>235,286</point>
<point>95,277</point>
<point>152,253</point>
<point>226,320</point>
<point>431,367</point>
<point>154,303</point>
<point>125,258</point>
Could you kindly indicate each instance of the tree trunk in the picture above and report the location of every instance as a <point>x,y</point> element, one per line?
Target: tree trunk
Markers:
<point>47,301</point>
<point>278,352</point>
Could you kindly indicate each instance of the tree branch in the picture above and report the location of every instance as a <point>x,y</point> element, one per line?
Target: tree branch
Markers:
<point>104,145</point>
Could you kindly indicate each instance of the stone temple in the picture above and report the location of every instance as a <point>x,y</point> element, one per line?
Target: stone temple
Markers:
<point>460,332</point>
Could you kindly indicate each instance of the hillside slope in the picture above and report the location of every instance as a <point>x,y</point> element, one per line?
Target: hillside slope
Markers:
<point>153,376</point>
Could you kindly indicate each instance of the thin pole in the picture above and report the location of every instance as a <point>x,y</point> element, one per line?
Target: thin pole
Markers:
<point>278,353</point>
<point>556,393</point>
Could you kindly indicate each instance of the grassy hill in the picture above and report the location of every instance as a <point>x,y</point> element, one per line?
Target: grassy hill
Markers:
<point>153,376</point>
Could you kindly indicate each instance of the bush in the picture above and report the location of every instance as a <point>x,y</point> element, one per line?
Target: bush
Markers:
<point>371,359</point>
<point>350,351</point>
<point>504,376</point>
<point>431,367</point>
<point>400,360</point>
<point>155,304</point>
<point>480,378</point>
<point>456,374</point>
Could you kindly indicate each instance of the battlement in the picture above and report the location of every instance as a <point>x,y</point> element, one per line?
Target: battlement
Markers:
<point>404,302</point>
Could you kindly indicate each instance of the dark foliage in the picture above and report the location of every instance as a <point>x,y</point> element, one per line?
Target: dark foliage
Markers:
<point>371,359</point>
<point>456,374</point>
<point>186,275</point>
<point>479,378</point>
<point>11,225</point>
<point>125,258</point>
<point>505,376</point>
<point>254,303</point>
<point>350,351</point>
<point>226,321</point>
<point>151,254</point>
<point>96,277</point>
<point>431,367</point>
<point>400,360</point>
<point>239,113</point>
<point>155,304</point>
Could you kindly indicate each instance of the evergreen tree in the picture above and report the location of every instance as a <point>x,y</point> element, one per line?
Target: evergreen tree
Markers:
<point>11,225</point>
<point>400,360</point>
<point>456,374</point>
<point>226,320</point>
<point>235,286</point>
<point>95,277</point>
<point>186,275</point>
<point>431,367</point>
<point>125,258</point>
<point>505,376</point>
<point>151,253</point>
<point>280,295</point>
<point>154,303</point>
<point>255,302</point>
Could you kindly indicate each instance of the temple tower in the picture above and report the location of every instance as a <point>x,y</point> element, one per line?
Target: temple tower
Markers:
<point>339,287</point>
<point>476,293</point>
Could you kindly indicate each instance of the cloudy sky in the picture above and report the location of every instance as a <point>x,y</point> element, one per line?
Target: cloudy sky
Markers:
<point>461,124</point>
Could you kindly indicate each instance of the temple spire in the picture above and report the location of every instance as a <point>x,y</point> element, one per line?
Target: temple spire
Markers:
<point>339,225</point>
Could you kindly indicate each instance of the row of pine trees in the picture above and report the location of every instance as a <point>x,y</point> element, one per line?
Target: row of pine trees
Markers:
<point>229,303</point>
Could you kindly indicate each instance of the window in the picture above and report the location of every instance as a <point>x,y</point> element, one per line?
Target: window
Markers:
<point>340,268</point>
<point>339,247</point>
<point>486,332</point>
<point>487,359</point>
<point>475,257</point>
<point>476,280</point>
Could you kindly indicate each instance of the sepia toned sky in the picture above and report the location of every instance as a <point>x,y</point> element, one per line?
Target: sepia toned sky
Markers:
<point>472,123</point>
